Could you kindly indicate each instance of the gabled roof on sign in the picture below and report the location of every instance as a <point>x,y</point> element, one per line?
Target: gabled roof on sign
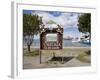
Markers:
<point>51,26</point>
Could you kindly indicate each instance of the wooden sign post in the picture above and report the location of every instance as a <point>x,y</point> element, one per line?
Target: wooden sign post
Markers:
<point>55,43</point>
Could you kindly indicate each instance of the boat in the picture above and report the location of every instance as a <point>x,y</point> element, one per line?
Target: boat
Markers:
<point>76,39</point>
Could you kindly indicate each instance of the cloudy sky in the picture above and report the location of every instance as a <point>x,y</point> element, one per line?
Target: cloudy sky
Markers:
<point>68,20</point>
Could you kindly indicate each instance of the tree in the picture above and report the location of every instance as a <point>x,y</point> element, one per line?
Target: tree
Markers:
<point>84,23</point>
<point>30,28</point>
<point>51,22</point>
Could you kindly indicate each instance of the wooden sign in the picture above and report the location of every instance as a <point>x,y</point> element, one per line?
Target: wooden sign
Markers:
<point>51,38</point>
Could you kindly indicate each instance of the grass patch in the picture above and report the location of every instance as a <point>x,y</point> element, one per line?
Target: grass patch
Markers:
<point>88,52</point>
<point>32,53</point>
<point>83,57</point>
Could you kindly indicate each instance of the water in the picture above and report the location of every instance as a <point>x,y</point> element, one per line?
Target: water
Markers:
<point>66,43</point>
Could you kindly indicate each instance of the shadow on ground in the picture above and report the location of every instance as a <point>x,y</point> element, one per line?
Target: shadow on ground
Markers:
<point>65,59</point>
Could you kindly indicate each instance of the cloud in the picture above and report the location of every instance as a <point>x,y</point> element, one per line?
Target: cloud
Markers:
<point>65,19</point>
<point>45,16</point>
<point>68,20</point>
